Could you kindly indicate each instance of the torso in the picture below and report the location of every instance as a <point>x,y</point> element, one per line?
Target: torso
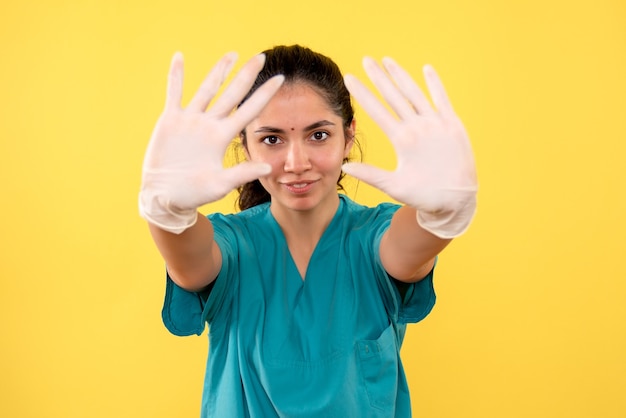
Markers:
<point>326,341</point>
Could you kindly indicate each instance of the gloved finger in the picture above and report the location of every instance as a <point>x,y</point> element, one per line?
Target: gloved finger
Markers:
<point>371,105</point>
<point>175,82</point>
<point>239,86</point>
<point>253,106</point>
<point>407,86</point>
<point>437,91</point>
<point>388,89</point>
<point>245,172</point>
<point>211,84</point>
<point>371,175</point>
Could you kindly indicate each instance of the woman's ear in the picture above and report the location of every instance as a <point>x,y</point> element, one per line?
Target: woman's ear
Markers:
<point>350,132</point>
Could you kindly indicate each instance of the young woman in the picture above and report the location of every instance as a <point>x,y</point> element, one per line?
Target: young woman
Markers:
<point>307,294</point>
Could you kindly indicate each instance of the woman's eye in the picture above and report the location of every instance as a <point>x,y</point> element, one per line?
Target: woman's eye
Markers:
<point>271,140</point>
<point>319,136</point>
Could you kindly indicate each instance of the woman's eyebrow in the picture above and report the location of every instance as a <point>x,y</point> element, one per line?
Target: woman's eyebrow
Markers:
<point>274,130</point>
<point>269,129</point>
<point>318,125</point>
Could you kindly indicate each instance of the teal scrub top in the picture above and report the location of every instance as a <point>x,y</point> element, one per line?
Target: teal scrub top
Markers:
<point>280,346</point>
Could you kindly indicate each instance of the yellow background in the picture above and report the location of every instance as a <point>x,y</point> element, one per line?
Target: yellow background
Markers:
<point>531,316</point>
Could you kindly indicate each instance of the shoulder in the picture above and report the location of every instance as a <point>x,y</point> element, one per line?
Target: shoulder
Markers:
<point>361,214</point>
<point>254,225</point>
<point>255,215</point>
<point>366,224</point>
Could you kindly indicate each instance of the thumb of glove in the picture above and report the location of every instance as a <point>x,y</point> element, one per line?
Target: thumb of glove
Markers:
<point>374,176</point>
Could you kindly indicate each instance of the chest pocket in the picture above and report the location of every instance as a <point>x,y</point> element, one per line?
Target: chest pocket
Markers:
<point>378,364</point>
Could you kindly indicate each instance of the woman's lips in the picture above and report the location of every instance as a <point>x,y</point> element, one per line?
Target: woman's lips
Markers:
<point>299,187</point>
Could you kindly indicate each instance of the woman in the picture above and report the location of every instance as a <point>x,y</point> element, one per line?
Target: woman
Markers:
<point>306,293</point>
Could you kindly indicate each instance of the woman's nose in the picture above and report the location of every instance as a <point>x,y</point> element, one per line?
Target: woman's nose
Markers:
<point>297,159</point>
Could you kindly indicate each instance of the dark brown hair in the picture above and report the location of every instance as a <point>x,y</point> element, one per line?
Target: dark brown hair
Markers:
<point>299,65</point>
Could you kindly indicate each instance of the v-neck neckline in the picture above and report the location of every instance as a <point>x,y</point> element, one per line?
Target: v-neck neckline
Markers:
<point>289,257</point>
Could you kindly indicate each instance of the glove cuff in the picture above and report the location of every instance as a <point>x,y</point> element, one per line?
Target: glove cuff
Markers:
<point>450,223</point>
<point>161,214</point>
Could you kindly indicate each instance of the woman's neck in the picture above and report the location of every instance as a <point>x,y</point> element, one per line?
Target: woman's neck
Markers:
<point>305,227</point>
<point>303,230</point>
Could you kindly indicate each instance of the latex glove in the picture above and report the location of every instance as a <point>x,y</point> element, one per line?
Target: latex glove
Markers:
<point>183,166</point>
<point>435,170</point>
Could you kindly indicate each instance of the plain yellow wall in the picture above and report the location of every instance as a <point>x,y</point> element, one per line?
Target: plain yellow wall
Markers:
<point>531,316</point>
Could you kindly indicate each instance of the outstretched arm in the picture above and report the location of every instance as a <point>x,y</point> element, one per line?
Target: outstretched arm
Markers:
<point>183,166</point>
<point>435,175</point>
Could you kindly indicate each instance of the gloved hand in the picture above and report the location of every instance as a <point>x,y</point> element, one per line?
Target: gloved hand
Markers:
<point>435,170</point>
<point>183,166</point>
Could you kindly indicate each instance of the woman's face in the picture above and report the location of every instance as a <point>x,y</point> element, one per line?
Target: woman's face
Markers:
<point>304,141</point>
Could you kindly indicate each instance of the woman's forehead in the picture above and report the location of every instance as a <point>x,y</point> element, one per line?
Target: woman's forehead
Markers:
<point>299,103</point>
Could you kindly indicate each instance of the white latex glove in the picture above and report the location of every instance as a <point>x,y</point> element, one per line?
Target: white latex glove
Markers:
<point>435,170</point>
<point>183,166</point>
